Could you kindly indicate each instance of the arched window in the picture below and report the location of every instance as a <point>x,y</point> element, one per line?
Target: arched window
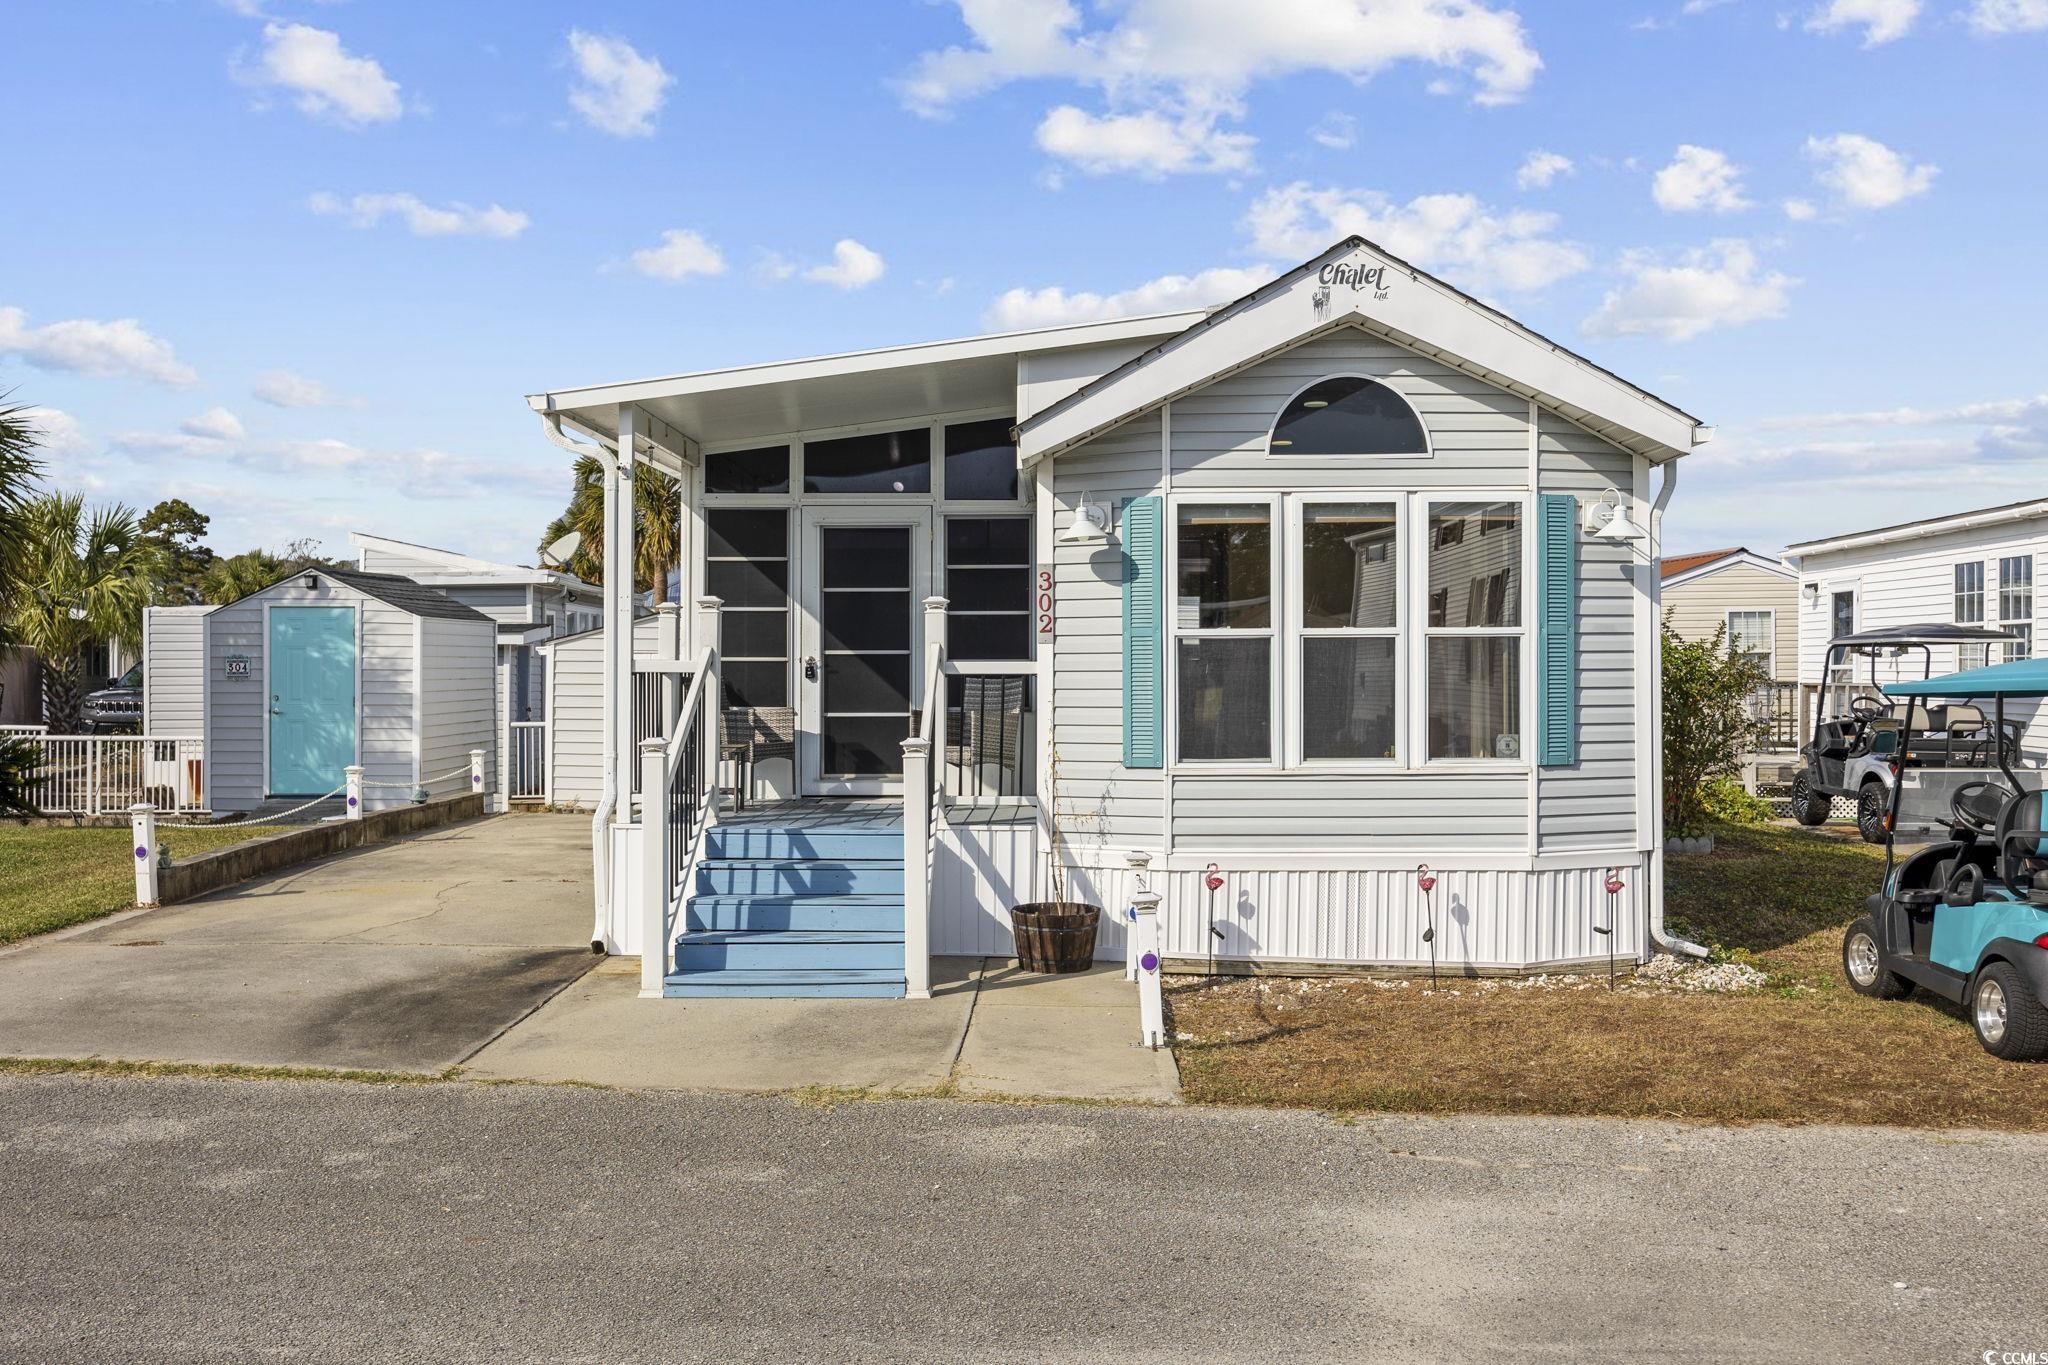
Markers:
<point>1348,415</point>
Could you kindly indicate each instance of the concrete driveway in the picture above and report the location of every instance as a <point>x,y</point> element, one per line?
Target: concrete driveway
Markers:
<point>407,956</point>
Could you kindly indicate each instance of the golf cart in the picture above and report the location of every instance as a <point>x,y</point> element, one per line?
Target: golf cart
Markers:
<point>1965,917</point>
<point>1857,730</point>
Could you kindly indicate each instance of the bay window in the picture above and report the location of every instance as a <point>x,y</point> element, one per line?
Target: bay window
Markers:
<point>1349,615</point>
<point>1222,619</point>
<point>1473,637</point>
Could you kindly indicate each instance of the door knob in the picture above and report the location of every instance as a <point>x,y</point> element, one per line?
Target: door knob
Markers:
<point>811,669</point>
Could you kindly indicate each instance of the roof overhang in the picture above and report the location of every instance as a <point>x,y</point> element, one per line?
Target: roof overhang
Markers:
<point>1356,283</point>
<point>523,632</point>
<point>1742,558</point>
<point>763,402</point>
<point>1917,530</point>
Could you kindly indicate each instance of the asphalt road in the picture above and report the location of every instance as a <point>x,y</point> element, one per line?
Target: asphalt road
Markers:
<point>197,1220</point>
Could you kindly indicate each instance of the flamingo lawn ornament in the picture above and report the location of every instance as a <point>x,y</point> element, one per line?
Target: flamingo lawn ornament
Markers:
<point>1614,885</point>
<point>1425,880</point>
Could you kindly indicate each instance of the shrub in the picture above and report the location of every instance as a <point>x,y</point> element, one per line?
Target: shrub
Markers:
<point>1727,802</point>
<point>1709,723</point>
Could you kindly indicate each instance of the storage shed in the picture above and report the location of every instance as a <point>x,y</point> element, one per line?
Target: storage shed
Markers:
<point>173,674</point>
<point>336,666</point>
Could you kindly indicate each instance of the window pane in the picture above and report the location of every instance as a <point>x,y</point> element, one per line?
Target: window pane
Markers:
<point>1475,564</point>
<point>1348,416</point>
<point>1226,697</point>
<point>1005,637</point>
<point>1475,690</point>
<point>974,589</point>
<point>755,684</point>
<point>881,462</point>
<point>1969,594</point>
<point>988,540</point>
<point>1349,565</point>
<point>753,634</point>
<point>739,583</point>
<point>865,620</point>
<point>1347,697</point>
<point>741,534</point>
<point>1749,633</point>
<point>981,462</point>
<point>1842,614</point>
<point>764,469</point>
<point>1226,567</point>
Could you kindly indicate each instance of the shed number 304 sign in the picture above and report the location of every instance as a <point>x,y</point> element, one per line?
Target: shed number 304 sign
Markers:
<point>237,666</point>
<point>1041,602</point>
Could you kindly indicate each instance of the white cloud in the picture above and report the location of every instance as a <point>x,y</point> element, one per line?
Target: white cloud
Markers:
<point>57,432</point>
<point>618,89</point>
<point>1454,235</point>
<point>1996,412</point>
<point>1539,170</point>
<point>1720,285</point>
<point>1149,144</point>
<point>853,266</point>
<point>215,424</point>
<point>1052,305</point>
<point>681,254</point>
<point>1863,173</point>
<point>330,82</point>
<point>1994,17</point>
<point>1335,130</point>
<point>1882,21</point>
<point>104,350</point>
<point>283,389</point>
<point>1182,66</point>
<point>1699,179</point>
<point>421,218</point>
<point>1801,210</point>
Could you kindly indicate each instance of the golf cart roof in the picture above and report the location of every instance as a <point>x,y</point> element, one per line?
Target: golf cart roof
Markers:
<point>2020,678</point>
<point>1927,633</point>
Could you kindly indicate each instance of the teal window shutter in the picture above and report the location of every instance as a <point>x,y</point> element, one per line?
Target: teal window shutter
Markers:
<point>1557,630</point>
<point>1144,661</point>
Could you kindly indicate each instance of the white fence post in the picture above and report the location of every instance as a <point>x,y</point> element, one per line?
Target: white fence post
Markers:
<point>142,819</point>
<point>476,772</point>
<point>354,772</point>
<point>1138,861</point>
<point>711,725</point>
<point>1151,996</point>
<point>653,874</point>
<point>917,869</point>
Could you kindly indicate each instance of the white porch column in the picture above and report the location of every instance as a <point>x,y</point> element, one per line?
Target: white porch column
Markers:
<point>619,598</point>
<point>652,873</point>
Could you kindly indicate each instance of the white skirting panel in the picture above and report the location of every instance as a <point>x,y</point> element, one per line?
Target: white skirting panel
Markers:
<point>982,870</point>
<point>1488,918</point>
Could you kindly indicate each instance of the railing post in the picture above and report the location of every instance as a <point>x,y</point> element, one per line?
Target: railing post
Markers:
<point>1138,861</point>
<point>668,646</point>
<point>354,773</point>
<point>1151,996</point>
<point>142,820</point>
<point>653,870</point>
<point>917,868</point>
<point>711,735</point>
<point>476,772</point>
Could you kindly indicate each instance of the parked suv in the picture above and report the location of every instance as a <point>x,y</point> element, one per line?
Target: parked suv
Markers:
<point>116,708</point>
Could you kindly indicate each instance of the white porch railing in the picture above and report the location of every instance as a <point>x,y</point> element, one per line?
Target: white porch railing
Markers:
<point>527,755</point>
<point>678,803</point>
<point>106,774</point>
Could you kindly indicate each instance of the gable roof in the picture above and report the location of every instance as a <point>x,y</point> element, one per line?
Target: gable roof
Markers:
<point>408,596</point>
<point>462,568</point>
<point>1681,569</point>
<point>1678,564</point>
<point>1358,283</point>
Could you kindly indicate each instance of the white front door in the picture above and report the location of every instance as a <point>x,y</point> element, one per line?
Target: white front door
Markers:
<point>865,573</point>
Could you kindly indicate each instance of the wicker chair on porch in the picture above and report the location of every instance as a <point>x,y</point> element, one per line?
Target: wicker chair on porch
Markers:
<point>753,733</point>
<point>985,728</point>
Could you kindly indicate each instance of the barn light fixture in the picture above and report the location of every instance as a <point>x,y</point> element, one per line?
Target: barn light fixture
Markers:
<point>1607,519</point>
<point>312,582</point>
<point>1090,525</point>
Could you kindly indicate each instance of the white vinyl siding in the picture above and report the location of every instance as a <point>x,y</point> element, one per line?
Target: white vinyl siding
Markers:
<point>1700,606</point>
<point>458,702</point>
<point>174,672</point>
<point>576,713</point>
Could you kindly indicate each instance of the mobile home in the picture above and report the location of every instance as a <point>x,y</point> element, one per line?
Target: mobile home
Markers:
<point>1264,608</point>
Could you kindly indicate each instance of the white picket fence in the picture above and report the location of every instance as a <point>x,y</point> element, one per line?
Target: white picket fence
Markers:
<point>106,774</point>
<point>527,750</point>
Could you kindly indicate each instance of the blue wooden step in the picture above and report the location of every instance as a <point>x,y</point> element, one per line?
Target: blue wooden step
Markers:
<point>770,913</point>
<point>794,950</point>
<point>782,983</point>
<point>801,877</point>
<point>803,842</point>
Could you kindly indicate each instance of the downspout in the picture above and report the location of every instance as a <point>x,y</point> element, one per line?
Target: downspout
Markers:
<point>1654,911</point>
<point>608,795</point>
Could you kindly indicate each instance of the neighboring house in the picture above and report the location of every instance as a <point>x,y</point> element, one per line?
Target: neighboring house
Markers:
<point>1310,589</point>
<point>1752,599</point>
<point>21,678</point>
<point>1967,568</point>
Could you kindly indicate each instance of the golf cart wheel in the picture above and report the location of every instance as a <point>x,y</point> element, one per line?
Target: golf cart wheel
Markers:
<point>2010,1022</point>
<point>1871,805</point>
<point>1809,807</point>
<point>1863,964</point>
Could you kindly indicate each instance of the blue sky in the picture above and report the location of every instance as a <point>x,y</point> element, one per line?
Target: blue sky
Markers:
<point>299,262</point>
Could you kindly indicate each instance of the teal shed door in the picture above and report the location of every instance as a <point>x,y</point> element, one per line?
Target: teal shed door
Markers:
<point>312,698</point>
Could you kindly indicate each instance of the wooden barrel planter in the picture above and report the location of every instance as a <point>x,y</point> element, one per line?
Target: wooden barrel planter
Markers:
<point>1055,937</point>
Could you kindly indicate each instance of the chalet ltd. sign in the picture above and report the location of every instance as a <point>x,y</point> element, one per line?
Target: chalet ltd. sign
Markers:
<point>1355,276</point>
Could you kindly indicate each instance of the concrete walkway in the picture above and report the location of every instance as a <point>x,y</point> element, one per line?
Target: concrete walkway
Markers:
<point>406,956</point>
<point>989,1029</point>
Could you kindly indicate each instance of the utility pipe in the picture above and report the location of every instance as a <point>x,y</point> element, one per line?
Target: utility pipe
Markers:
<point>608,792</point>
<point>1654,901</point>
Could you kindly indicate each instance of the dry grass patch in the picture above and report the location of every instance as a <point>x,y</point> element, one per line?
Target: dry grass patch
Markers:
<point>1803,1050</point>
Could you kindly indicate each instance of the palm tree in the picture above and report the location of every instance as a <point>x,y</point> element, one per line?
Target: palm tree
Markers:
<point>235,577</point>
<point>78,579</point>
<point>657,530</point>
<point>18,472</point>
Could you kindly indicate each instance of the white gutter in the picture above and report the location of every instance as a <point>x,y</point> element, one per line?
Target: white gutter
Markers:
<point>1658,935</point>
<point>1968,521</point>
<point>608,795</point>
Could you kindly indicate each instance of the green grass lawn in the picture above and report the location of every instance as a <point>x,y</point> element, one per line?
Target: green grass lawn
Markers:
<point>52,876</point>
<point>1805,1049</point>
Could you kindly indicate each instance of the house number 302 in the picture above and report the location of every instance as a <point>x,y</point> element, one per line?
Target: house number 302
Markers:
<point>1043,604</point>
